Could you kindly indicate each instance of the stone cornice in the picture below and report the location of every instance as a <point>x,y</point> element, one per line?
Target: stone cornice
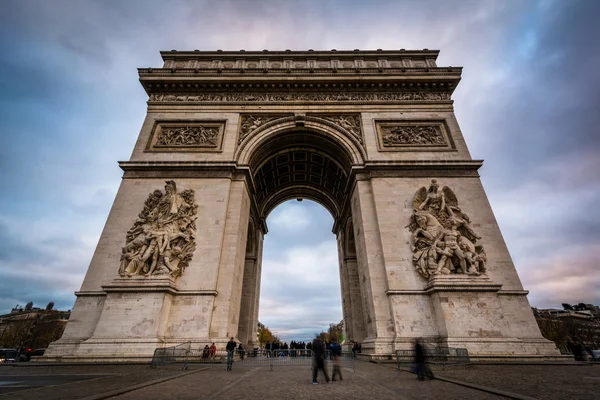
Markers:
<point>297,54</point>
<point>299,70</point>
<point>450,73</point>
<point>369,80</point>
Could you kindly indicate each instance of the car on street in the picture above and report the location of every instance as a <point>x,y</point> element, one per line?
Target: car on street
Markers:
<point>8,355</point>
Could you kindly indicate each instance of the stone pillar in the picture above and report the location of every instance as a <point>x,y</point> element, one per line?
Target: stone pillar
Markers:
<point>371,271</point>
<point>356,299</point>
<point>226,311</point>
<point>345,289</point>
<point>248,321</point>
<point>253,339</point>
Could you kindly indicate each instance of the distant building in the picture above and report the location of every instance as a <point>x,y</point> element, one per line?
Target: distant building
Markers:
<point>573,328</point>
<point>32,327</point>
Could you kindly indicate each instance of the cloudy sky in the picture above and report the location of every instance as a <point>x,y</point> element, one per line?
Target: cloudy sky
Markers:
<point>71,107</point>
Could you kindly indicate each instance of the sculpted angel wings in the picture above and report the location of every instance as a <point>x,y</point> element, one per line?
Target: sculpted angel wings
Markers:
<point>443,241</point>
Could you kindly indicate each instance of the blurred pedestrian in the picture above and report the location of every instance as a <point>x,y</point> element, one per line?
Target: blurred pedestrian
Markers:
<point>230,349</point>
<point>241,351</point>
<point>318,349</point>
<point>336,354</point>
<point>422,368</point>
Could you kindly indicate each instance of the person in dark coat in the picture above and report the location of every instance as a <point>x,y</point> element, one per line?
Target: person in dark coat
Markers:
<point>318,349</point>
<point>230,349</point>
<point>423,369</point>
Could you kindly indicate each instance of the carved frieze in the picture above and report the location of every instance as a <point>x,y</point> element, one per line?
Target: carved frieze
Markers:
<point>443,241</point>
<point>162,239</point>
<point>413,135</point>
<point>320,96</point>
<point>187,136</point>
<point>252,123</point>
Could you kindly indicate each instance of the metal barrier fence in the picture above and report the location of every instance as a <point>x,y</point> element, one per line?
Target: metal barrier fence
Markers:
<point>171,355</point>
<point>265,358</point>
<point>435,355</point>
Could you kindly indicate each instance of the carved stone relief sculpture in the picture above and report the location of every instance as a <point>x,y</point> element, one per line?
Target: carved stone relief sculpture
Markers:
<point>187,136</point>
<point>443,241</point>
<point>349,122</point>
<point>253,123</point>
<point>411,135</point>
<point>162,238</point>
<point>419,135</point>
<point>300,97</point>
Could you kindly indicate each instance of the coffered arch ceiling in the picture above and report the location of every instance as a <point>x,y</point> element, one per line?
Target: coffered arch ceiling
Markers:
<point>300,164</point>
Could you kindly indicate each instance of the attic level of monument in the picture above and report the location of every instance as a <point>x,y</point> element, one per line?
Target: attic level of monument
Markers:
<point>360,71</point>
<point>300,59</point>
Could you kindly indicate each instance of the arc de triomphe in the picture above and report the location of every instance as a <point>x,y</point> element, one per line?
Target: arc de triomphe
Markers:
<point>370,135</point>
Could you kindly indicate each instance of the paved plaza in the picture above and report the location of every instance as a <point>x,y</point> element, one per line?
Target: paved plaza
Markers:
<point>366,381</point>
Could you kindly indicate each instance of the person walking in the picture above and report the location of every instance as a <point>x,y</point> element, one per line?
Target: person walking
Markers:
<point>230,349</point>
<point>241,351</point>
<point>336,354</point>
<point>213,350</point>
<point>318,349</point>
<point>423,369</point>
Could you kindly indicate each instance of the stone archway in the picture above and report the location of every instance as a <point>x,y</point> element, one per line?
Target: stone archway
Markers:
<point>370,135</point>
<point>299,163</point>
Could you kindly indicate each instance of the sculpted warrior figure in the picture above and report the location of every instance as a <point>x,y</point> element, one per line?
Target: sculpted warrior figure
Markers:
<point>162,239</point>
<point>443,241</point>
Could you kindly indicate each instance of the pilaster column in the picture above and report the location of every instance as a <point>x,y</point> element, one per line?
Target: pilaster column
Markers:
<point>371,271</point>
<point>345,289</point>
<point>226,311</point>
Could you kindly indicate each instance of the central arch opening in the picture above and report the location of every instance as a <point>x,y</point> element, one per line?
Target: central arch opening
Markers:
<point>300,291</point>
<point>297,281</point>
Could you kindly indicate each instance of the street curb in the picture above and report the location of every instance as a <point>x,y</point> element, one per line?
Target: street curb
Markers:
<point>118,392</point>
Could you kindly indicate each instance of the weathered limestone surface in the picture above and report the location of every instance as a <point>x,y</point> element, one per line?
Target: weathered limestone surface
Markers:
<point>360,132</point>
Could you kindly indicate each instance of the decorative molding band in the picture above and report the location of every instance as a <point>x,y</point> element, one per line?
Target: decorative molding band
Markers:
<point>371,169</point>
<point>514,292</point>
<point>447,288</point>
<point>311,97</point>
<point>298,69</point>
<point>90,293</point>
<point>156,289</point>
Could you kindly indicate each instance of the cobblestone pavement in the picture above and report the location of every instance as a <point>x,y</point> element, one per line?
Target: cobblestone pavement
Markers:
<point>368,381</point>
<point>551,382</point>
<point>73,382</point>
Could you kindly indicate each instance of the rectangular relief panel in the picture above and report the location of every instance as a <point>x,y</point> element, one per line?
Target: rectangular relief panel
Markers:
<point>188,136</point>
<point>413,135</point>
